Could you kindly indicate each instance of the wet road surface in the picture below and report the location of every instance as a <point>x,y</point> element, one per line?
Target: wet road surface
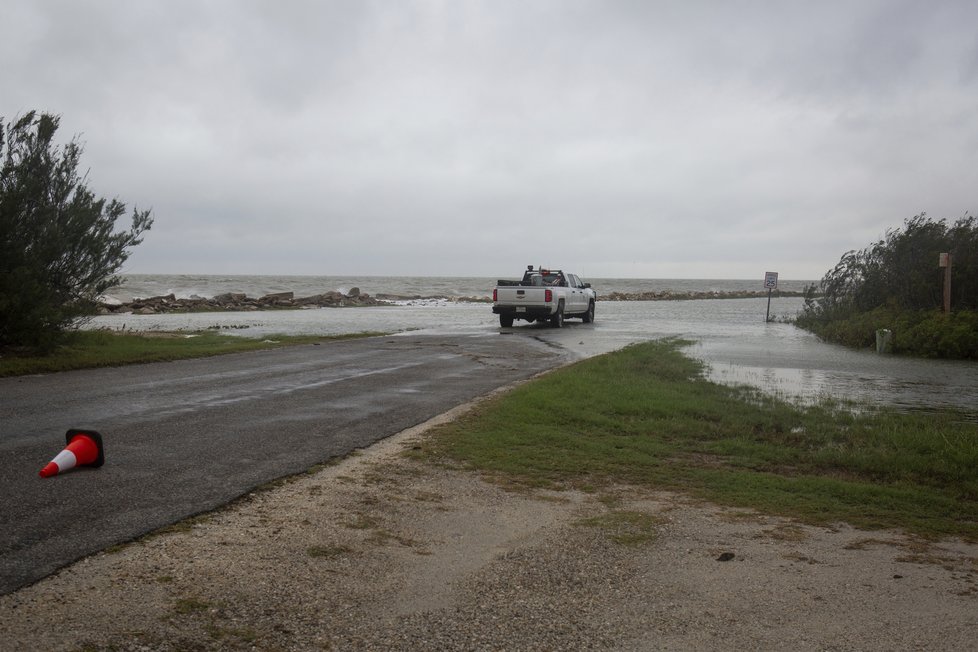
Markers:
<point>185,437</point>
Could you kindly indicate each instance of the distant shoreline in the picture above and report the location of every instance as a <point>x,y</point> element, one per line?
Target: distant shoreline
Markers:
<point>240,302</point>
<point>690,296</point>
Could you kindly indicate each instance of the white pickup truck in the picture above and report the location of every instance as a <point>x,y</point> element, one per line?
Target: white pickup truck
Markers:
<point>543,295</point>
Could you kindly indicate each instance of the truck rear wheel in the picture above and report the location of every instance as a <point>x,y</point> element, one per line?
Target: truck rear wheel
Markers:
<point>505,321</point>
<point>557,321</point>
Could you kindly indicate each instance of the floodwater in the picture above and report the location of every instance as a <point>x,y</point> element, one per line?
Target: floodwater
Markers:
<point>729,335</point>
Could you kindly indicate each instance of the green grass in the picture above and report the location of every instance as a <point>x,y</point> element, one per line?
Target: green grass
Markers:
<point>328,551</point>
<point>88,349</point>
<point>628,528</point>
<point>646,416</point>
<point>924,333</point>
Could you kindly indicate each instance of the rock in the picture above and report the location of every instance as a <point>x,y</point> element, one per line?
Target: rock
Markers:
<point>278,296</point>
<point>683,296</point>
<point>229,297</point>
<point>237,301</point>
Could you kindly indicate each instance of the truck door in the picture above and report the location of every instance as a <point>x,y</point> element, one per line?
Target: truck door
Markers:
<point>578,299</point>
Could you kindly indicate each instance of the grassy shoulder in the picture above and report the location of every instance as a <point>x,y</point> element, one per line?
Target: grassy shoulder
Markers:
<point>89,349</point>
<point>924,333</point>
<point>646,416</point>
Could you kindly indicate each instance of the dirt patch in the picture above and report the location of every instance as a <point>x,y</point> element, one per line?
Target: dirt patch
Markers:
<point>381,552</point>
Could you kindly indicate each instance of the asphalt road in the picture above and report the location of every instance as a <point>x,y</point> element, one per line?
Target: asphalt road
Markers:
<point>185,437</point>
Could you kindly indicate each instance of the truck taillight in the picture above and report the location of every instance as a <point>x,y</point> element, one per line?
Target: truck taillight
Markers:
<point>548,295</point>
<point>494,295</point>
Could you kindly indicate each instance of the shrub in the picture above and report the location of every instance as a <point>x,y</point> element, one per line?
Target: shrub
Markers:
<point>896,283</point>
<point>58,246</point>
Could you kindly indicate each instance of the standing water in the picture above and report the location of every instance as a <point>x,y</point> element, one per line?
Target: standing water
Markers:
<point>729,335</point>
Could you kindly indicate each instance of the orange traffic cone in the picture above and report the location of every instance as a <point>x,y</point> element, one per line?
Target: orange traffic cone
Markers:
<point>84,449</point>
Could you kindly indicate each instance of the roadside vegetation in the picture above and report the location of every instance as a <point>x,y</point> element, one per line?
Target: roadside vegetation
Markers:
<point>89,349</point>
<point>896,284</point>
<point>60,249</point>
<point>646,416</point>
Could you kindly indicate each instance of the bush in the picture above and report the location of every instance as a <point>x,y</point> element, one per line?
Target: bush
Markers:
<point>936,335</point>
<point>58,247</point>
<point>927,333</point>
<point>896,283</point>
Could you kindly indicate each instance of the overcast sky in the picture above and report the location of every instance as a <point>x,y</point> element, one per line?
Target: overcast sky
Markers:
<point>612,138</point>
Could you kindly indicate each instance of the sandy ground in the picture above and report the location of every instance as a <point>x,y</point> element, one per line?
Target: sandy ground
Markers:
<point>380,552</point>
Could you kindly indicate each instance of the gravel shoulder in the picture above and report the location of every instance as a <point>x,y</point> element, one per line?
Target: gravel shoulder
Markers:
<point>381,552</point>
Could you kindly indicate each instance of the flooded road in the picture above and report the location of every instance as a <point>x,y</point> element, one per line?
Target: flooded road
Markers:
<point>729,335</point>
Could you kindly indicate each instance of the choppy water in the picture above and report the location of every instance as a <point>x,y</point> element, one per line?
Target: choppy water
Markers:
<point>186,286</point>
<point>729,335</point>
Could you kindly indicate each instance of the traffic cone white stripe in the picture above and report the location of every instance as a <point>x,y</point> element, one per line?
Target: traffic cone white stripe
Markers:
<point>65,460</point>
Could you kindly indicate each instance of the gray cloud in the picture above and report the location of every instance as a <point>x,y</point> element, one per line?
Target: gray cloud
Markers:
<point>699,139</point>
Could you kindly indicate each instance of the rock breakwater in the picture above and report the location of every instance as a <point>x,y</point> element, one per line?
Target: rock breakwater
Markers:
<point>238,302</point>
<point>690,296</point>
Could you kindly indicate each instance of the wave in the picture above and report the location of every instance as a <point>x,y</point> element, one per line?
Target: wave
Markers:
<point>190,286</point>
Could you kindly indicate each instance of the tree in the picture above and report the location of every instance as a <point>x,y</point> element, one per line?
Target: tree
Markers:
<point>896,284</point>
<point>901,270</point>
<point>59,248</point>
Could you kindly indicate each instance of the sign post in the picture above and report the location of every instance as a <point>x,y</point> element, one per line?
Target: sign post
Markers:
<point>945,262</point>
<point>771,283</point>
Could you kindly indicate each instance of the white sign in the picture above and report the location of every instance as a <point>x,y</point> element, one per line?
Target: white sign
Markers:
<point>771,280</point>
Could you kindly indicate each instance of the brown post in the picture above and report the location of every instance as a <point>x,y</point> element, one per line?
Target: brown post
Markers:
<point>945,262</point>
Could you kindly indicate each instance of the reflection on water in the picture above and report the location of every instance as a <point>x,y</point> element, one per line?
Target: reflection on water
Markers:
<point>903,383</point>
<point>729,335</point>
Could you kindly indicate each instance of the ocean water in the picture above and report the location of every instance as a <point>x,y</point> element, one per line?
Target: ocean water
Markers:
<point>730,336</point>
<point>186,286</point>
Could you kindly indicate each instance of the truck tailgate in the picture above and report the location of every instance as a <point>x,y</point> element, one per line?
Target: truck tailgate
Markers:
<point>520,296</point>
